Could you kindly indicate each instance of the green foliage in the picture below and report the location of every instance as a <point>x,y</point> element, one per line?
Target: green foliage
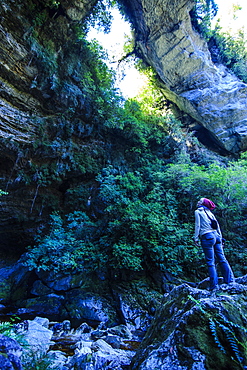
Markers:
<point>6,328</point>
<point>33,360</point>
<point>150,98</point>
<point>227,186</point>
<point>201,15</point>
<point>67,245</point>
<point>231,50</point>
<point>98,84</point>
<point>213,330</point>
<point>232,340</point>
<point>101,17</point>
<point>141,212</point>
<point>3,192</point>
<point>142,216</point>
<point>139,229</point>
<point>127,256</point>
<point>226,340</point>
<point>56,133</point>
<point>46,60</point>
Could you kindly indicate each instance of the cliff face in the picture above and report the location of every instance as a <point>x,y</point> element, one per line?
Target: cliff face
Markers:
<point>210,94</point>
<point>34,44</point>
<point>42,94</point>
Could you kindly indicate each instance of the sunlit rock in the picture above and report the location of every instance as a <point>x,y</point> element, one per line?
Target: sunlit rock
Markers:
<point>210,94</point>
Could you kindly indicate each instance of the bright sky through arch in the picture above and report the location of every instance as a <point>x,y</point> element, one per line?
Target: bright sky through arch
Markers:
<point>230,20</point>
<point>113,42</point>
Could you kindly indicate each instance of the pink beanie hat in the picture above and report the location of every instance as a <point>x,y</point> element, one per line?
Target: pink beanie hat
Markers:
<point>208,203</point>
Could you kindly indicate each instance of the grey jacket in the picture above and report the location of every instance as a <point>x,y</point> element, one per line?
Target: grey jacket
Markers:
<point>203,223</point>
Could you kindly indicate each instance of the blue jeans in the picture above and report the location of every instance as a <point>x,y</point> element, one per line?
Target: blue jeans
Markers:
<point>212,246</point>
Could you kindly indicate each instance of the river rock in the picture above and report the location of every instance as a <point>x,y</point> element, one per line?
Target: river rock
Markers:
<point>14,278</point>
<point>50,306</point>
<point>101,356</point>
<point>10,354</point>
<point>38,336</point>
<point>57,360</point>
<point>89,307</point>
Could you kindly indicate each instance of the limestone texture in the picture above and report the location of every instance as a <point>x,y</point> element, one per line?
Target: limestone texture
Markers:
<point>210,94</point>
<point>40,80</point>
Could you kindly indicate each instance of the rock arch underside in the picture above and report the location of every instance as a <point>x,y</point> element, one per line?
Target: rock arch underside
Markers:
<point>210,94</point>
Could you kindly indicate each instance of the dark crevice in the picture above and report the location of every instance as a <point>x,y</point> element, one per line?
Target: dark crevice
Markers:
<point>208,140</point>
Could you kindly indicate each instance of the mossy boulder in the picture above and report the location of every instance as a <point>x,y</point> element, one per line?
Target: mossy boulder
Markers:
<point>195,329</point>
<point>14,281</point>
<point>89,307</point>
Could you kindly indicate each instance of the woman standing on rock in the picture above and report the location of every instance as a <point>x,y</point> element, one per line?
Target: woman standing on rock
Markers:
<point>208,231</point>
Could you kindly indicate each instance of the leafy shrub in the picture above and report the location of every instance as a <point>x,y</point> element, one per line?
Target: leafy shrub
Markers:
<point>226,186</point>
<point>201,15</point>
<point>67,246</point>
<point>144,219</point>
<point>100,16</point>
<point>231,50</point>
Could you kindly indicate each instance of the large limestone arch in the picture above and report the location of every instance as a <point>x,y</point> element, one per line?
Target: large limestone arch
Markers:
<point>210,94</point>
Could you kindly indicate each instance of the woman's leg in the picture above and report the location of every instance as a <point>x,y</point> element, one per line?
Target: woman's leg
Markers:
<point>208,241</point>
<point>224,265</point>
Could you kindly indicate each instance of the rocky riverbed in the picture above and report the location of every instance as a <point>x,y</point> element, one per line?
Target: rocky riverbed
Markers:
<point>189,330</point>
<point>58,346</point>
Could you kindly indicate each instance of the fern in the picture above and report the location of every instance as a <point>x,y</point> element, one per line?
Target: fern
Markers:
<point>6,328</point>
<point>233,342</point>
<point>213,329</point>
<point>232,324</point>
<point>229,335</point>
